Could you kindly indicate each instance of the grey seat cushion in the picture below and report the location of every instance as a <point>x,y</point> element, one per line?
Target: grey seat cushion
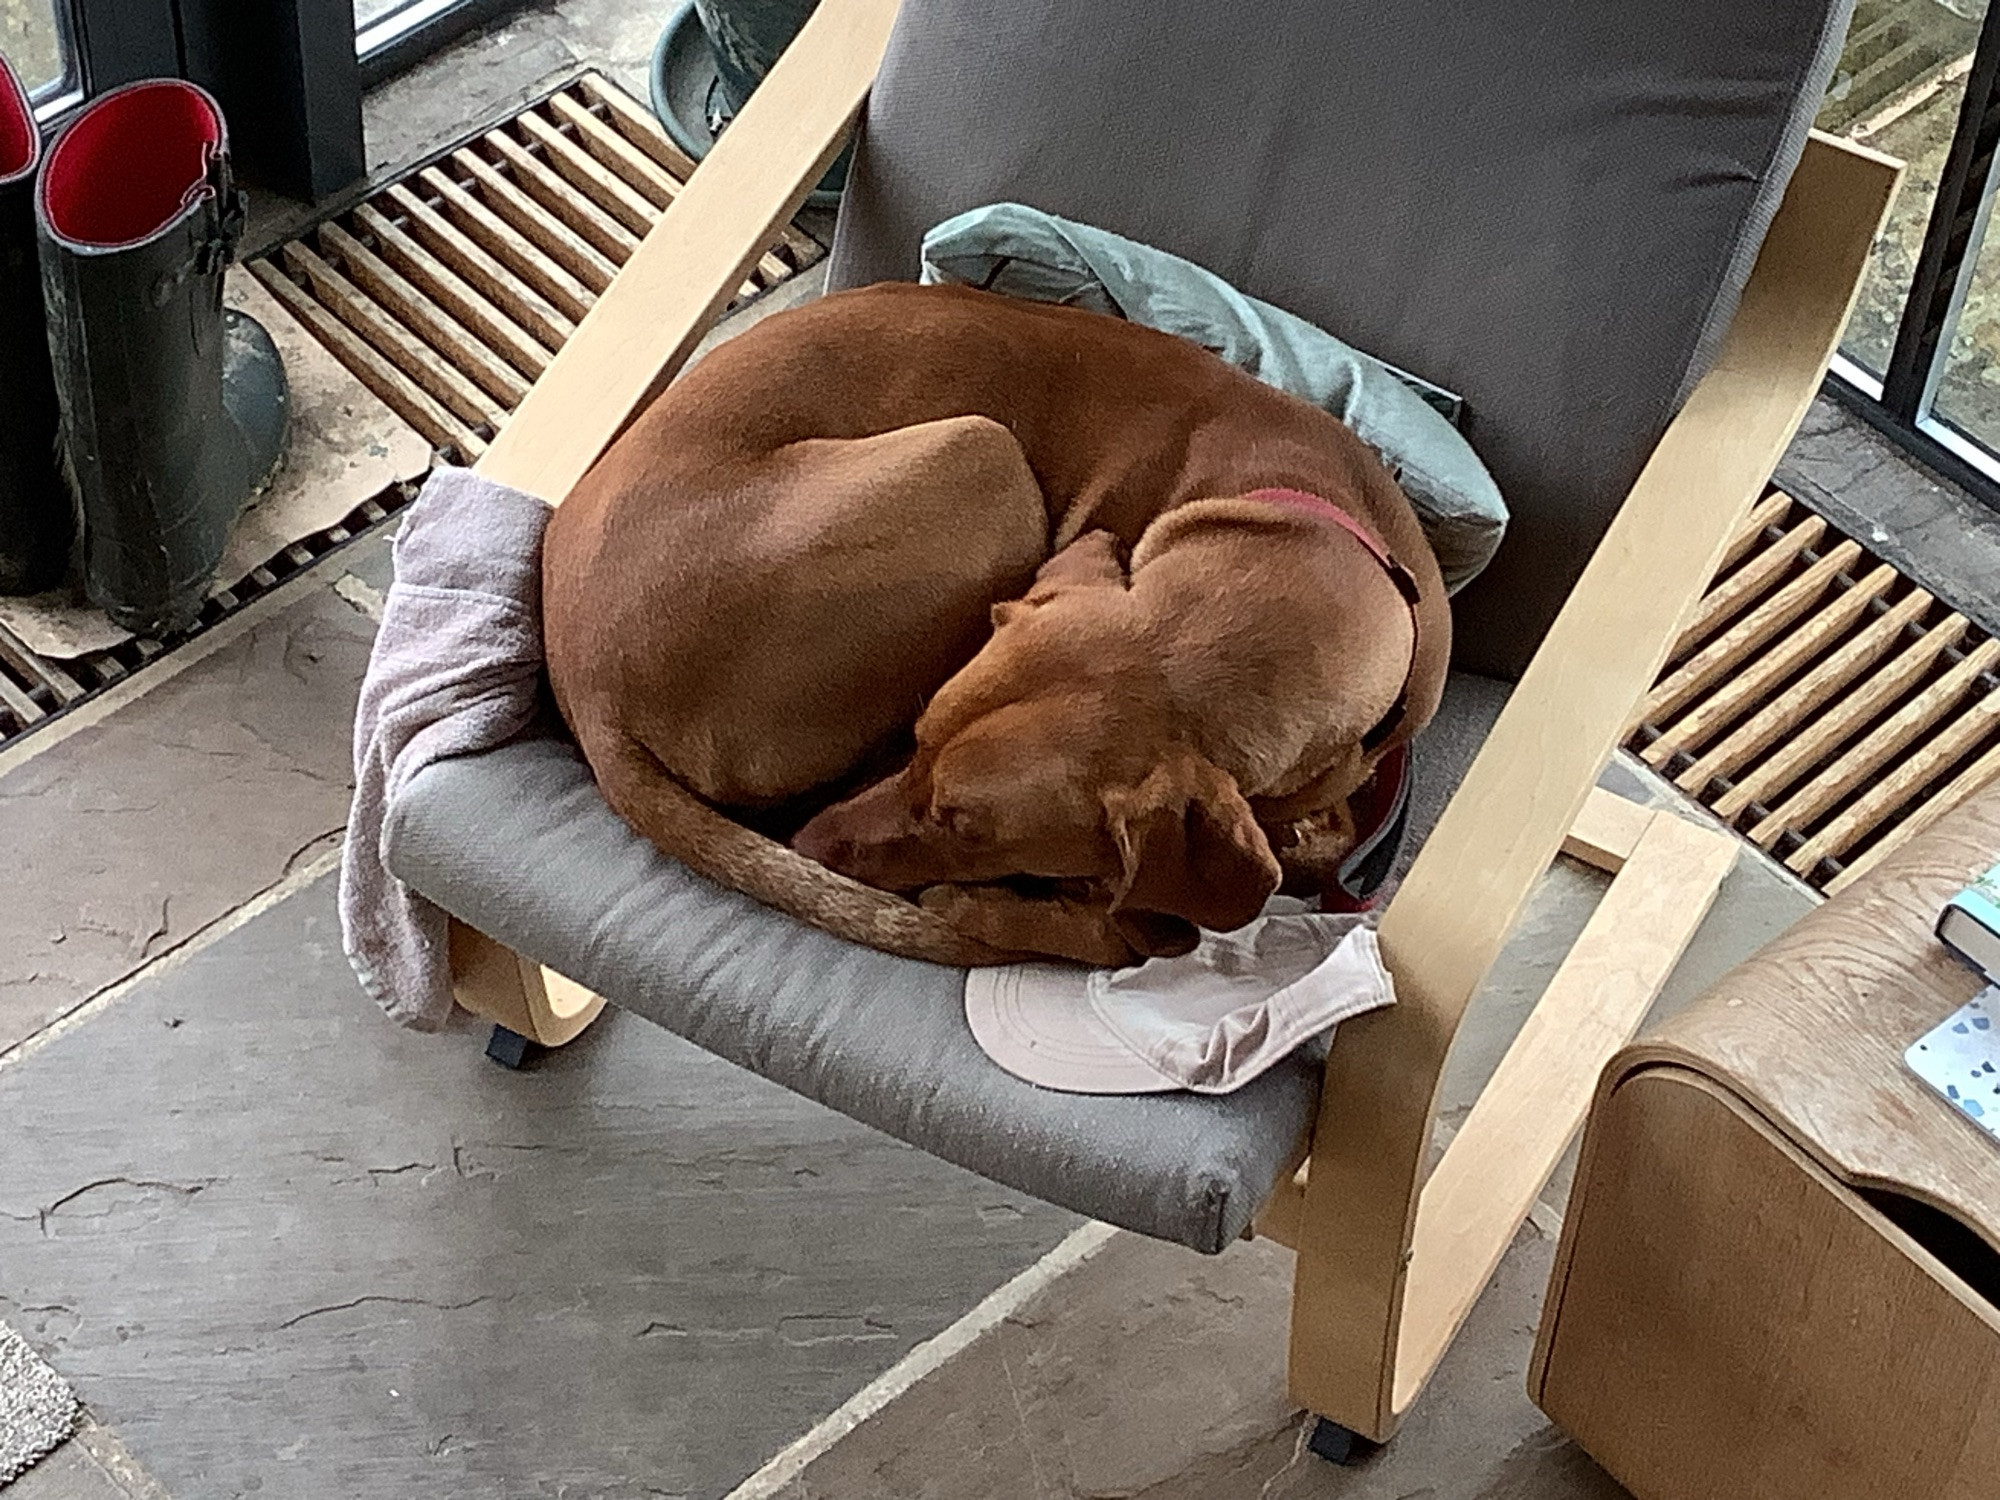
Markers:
<point>1547,206</point>
<point>518,843</point>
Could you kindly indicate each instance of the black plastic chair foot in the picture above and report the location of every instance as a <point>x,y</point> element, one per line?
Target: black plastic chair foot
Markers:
<point>512,1050</point>
<point>1337,1444</point>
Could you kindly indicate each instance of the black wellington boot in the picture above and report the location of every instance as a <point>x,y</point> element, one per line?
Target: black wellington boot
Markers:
<point>36,519</point>
<point>173,411</point>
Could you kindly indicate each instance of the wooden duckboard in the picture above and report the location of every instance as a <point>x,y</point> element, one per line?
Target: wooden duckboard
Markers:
<point>1821,703</point>
<point>449,292</point>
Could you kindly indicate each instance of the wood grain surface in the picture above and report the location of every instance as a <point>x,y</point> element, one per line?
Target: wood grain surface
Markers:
<point>1727,1322</point>
<point>1811,1032</point>
<point>1531,1110</point>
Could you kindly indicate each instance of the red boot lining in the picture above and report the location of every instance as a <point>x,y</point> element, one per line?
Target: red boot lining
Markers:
<point>17,127</point>
<point>130,164</point>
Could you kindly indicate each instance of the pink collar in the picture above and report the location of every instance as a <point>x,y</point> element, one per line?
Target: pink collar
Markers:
<point>1405,581</point>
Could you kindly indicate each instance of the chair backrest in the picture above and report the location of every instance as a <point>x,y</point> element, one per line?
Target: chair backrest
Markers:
<point>1549,206</point>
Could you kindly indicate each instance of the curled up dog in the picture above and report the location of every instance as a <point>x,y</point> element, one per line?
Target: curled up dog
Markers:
<point>1116,629</point>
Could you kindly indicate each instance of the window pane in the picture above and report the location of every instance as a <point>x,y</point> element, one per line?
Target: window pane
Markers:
<point>1898,88</point>
<point>33,42</point>
<point>367,12</point>
<point>1968,392</point>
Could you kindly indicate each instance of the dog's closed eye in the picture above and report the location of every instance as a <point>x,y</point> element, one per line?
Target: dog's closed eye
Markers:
<point>1007,611</point>
<point>962,822</point>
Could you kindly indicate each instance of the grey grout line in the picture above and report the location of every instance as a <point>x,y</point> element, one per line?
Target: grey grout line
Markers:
<point>115,1461</point>
<point>172,958</point>
<point>156,674</point>
<point>791,1461</point>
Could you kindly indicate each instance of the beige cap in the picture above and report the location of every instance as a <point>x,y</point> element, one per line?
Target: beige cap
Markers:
<point>1208,1021</point>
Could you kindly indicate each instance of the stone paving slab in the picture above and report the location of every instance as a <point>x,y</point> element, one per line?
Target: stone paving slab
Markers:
<point>93,1465</point>
<point>126,836</point>
<point>284,1248</point>
<point>67,1474</point>
<point>1152,1372</point>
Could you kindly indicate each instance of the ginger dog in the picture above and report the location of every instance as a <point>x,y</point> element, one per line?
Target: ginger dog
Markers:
<point>1135,744</point>
<point>751,597</point>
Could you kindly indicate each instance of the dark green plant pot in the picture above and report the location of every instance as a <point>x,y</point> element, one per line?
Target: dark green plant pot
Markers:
<point>711,56</point>
<point>746,37</point>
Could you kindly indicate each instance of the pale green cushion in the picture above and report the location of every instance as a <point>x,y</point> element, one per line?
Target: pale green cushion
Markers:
<point>1022,252</point>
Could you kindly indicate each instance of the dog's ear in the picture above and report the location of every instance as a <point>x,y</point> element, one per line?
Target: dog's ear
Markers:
<point>1093,560</point>
<point>1190,849</point>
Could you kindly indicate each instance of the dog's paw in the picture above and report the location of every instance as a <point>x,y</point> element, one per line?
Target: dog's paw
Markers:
<point>1311,850</point>
<point>1049,926</point>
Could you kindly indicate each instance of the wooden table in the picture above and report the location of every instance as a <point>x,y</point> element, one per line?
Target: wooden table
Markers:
<point>1779,1272</point>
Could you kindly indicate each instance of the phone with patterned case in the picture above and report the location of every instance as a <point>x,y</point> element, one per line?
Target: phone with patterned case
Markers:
<point>1960,1058</point>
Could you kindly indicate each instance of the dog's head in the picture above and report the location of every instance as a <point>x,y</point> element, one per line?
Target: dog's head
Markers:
<point>1050,755</point>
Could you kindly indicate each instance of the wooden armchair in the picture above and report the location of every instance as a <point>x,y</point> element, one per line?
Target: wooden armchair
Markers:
<point>1391,1252</point>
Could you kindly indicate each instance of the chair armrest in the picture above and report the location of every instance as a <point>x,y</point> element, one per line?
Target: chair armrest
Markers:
<point>1455,910</point>
<point>642,330</point>
<point>636,338</point>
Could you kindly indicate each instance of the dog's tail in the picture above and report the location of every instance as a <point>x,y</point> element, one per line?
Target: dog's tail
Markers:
<point>645,794</point>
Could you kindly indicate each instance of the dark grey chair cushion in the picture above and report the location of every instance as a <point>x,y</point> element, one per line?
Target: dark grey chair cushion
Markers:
<point>518,843</point>
<point>1549,206</point>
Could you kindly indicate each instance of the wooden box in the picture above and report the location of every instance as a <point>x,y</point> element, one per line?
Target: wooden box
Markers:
<point>1779,1272</point>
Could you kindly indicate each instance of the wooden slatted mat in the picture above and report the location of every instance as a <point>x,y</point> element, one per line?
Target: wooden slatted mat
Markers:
<point>35,688</point>
<point>447,293</point>
<point>1821,703</point>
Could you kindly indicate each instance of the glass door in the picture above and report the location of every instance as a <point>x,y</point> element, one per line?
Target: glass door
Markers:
<point>1920,79</point>
<point>390,35</point>
<point>377,22</point>
<point>1899,87</point>
<point>35,39</point>
<point>66,50</point>
<point>286,74</point>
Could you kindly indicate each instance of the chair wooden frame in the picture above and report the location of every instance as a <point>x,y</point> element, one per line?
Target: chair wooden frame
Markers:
<point>1390,1257</point>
